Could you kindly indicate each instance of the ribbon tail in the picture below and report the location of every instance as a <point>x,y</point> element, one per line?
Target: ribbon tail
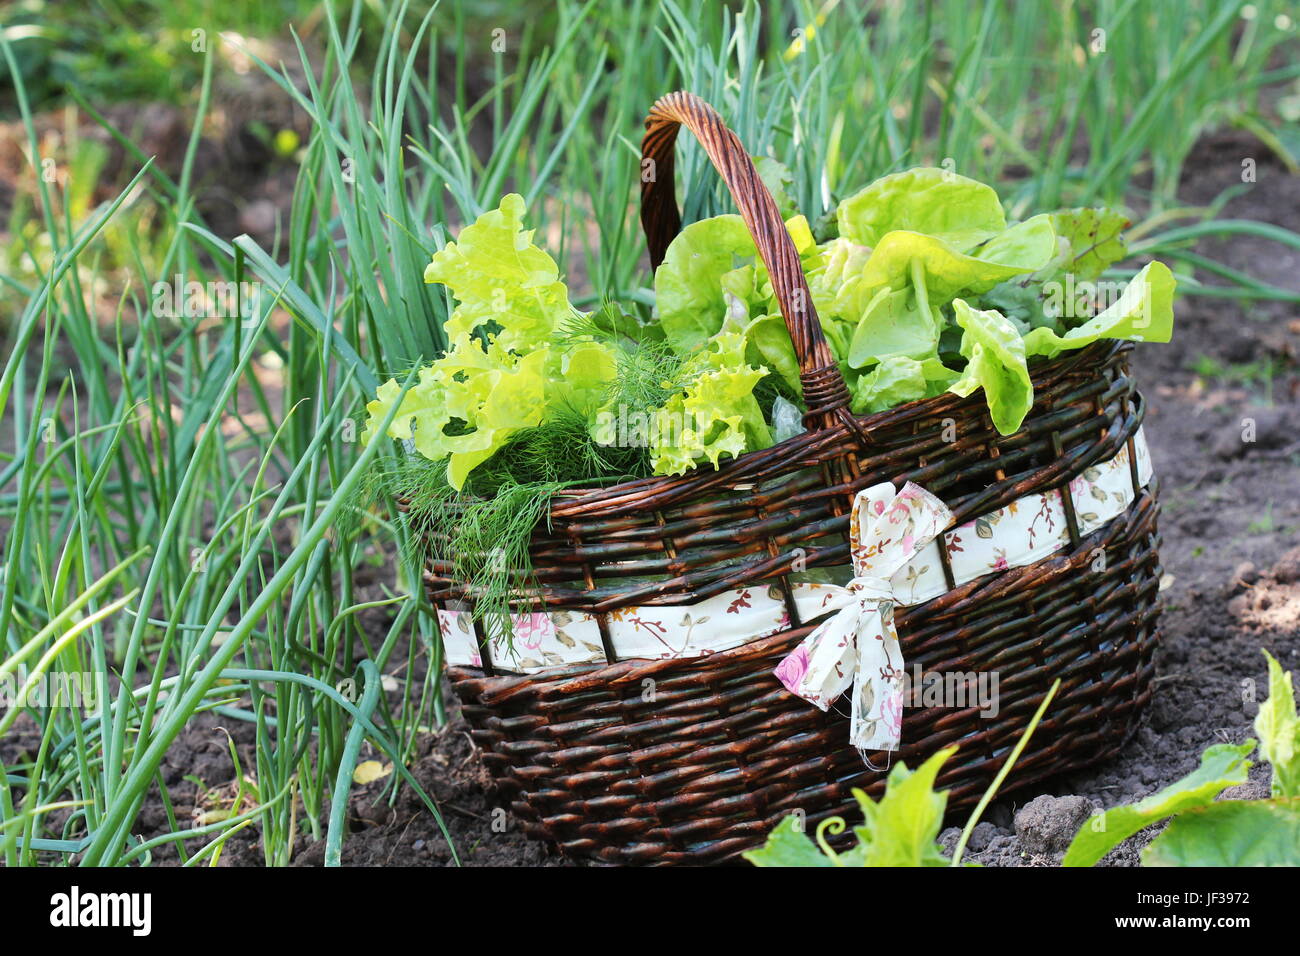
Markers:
<point>877,710</point>
<point>824,664</point>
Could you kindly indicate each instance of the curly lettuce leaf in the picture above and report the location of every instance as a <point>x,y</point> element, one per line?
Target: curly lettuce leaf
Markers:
<point>957,211</point>
<point>403,425</point>
<point>1144,312</point>
<point>715,415</point>
<point>466,405</point>
<point>501,281</point>
<point>995,362</point>
<point>492,405</point>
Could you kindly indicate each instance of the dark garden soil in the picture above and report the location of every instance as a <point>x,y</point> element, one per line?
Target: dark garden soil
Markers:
<point>1231,510</point>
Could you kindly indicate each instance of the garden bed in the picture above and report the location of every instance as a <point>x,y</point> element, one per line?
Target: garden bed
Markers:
<point>1231,511</point>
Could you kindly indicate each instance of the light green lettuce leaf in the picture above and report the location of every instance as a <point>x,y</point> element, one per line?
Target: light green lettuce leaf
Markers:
<point>581,376</point>
<point>768,343</point>
<point>899,379</point>
<point>498,276</point>
<point>957,211</point>
<point>689,292</point>
<point>467,404</point>
<point>1144,312</point>
<point>995,355</point>
<point>423,402</point>
<point>712,274</point>
<point>1087,242</point>
<point>947,272</point>
<point>893,324</point>
<point>716,414</point>
<point>828,267</point>
<point>494,403</point>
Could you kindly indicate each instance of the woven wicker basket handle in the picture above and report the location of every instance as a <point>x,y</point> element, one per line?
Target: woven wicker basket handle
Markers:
<point>824,391</point>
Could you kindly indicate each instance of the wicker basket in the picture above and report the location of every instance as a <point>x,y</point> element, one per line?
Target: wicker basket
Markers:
<point>722,752</point>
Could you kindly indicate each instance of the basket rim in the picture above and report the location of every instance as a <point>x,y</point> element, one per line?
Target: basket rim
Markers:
<point>794,446</point>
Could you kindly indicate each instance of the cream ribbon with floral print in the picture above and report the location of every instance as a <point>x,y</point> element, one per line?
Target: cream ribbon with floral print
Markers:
<point>859,645</point>
<point>1016,535</point>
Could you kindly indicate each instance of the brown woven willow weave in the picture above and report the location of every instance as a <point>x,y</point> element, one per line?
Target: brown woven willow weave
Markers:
<point>704,767</point>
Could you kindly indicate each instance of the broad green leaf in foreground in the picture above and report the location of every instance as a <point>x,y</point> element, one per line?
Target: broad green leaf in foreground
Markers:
<point>1222,766</point>
<point>1230,833</point>
<point>787,845</point>
<point>900,829</point>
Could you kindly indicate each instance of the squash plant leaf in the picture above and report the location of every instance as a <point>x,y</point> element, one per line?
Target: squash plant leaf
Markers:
<point>1230,833</point>
<point>1279,731</point>
<point>1222,766</point>
<point>787,845</point>
<point>901,829</point>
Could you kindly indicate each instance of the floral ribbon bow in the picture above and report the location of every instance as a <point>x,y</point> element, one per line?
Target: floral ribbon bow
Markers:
<point>859,645</point>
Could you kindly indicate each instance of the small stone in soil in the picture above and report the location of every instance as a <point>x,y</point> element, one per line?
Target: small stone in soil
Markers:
<point>1270,429</point>
<point>1287,568</point>
<point>1047,824</point>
